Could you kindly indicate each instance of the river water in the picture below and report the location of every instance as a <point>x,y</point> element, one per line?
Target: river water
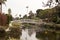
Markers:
<point>25,35</point>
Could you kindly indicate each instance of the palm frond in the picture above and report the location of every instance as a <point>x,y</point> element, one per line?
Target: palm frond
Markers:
<point>3,1</point>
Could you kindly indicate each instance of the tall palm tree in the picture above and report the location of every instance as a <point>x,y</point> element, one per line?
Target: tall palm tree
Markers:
<point>27,8</point>
<point>20,15</point>
<point>9,11</point>
<point>1,2</point>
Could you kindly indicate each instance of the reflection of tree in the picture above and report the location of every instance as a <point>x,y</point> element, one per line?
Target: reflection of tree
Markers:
<point>46,36</point>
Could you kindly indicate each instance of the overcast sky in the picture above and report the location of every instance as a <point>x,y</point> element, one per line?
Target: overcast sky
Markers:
<point>19,6</point>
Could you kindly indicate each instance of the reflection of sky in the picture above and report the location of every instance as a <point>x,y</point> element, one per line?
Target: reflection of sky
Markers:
<point>25,35</point>
<point>19,6</point>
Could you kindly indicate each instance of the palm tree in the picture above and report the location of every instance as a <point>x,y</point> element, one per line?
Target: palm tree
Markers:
<point>20,15</point>
<point>9,11</point>
<point>27,8</point>
<point>1,2</point>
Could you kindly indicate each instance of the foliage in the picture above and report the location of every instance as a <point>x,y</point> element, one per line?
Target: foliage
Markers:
<point>16,24</point>
<point>9,18</point>
<point>2,32</point>
<point>17,18</point>
<point>38,12</point>
<point>3,1</point>
<point>50,2</point>
<point>31,15</point>
<point>9,11</point>
<point>49,35</point>
<point>52,15</point>
<point>20,16</point>
<point>25,16</point>
<point>15,32</point>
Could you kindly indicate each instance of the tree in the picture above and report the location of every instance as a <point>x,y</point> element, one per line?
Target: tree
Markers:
<point>1,2</point>
<point>50,2</point>
<point>57,8</point>
<point>38,12</point>
<point>55,13</point>
<point>31,15</point>
<point>20,15</point>
<point>50,14</point>
<point>17,18</point>
<point>56,0</point>
<point>25,16</point>
<point>9,16</point>
<point>42,13</point>
<point>9,11</point>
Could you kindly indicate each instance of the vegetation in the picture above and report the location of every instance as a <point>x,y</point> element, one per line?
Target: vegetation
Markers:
<point>47,34</point>
<point>25,17</point>
<point>14,33</point>
<point>51,15</point>
<point>6,18</point>
<point>16,24</point>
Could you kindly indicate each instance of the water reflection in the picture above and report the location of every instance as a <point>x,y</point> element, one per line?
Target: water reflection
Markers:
<point>26,36</point>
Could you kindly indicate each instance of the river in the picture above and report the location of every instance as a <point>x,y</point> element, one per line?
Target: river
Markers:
<point>26,36</point>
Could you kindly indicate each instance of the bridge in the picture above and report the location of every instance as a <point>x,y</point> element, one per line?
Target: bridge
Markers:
<point>28,21</point>
<point>32,21</point>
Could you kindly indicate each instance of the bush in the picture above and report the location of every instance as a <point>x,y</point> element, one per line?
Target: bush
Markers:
<point>2,32</point>
<point>15,32</point>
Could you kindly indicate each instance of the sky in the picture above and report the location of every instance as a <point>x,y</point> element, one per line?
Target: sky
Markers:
<point>19,6</point>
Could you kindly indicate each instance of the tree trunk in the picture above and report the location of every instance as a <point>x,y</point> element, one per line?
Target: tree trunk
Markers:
<point>0,13</point>
<point>0,7</point>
